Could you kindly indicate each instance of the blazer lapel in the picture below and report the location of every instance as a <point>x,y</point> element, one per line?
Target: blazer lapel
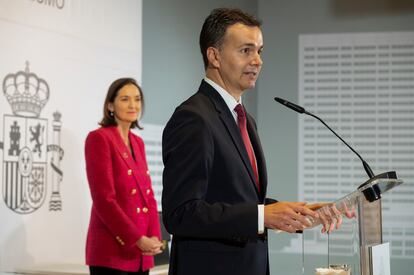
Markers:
<point>127,157</point>
<point>231,126</point>
<point>139,158</point>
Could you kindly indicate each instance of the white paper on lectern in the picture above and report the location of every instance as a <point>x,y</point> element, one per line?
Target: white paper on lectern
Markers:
<point>380,259</point>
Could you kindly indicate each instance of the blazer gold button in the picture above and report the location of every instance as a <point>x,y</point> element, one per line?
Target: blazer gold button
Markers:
<point>133,191</point>
<point>129,172</point>
<point>138,210</point>
<point>148,191</point>
<point>145,210</point>
<point>148,172</point>
<point>125,155</point>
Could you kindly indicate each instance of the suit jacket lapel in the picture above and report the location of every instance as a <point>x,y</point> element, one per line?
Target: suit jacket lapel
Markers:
<point>233,130</point>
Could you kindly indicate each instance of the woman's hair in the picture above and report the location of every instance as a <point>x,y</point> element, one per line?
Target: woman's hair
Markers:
<point>108,119</point>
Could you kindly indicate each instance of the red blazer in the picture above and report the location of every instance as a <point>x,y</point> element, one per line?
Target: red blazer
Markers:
<point>124,207</point>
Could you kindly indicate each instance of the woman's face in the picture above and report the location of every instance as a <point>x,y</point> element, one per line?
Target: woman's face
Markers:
<point>127,105</point>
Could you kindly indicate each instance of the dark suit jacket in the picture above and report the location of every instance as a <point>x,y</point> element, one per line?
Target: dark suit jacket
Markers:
<point>209,196</point>
<point>124,208</point>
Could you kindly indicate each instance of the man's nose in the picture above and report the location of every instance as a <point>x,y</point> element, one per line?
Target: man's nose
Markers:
<point>257,60</point>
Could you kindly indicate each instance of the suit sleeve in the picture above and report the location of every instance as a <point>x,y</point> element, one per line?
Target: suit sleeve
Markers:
<point>188,154</point>
<point>270,201</point>
<point>101,184</point>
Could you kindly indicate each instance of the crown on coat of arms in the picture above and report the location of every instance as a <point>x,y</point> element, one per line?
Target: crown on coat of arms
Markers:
<point>26,93</point>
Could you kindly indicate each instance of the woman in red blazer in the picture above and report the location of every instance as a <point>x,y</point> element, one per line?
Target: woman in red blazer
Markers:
<point>124,230</point>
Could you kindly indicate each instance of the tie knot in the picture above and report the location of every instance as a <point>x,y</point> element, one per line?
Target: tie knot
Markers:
<point>240,110</point>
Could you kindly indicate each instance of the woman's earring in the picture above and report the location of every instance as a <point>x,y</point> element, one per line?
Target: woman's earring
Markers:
<point>111,113</point>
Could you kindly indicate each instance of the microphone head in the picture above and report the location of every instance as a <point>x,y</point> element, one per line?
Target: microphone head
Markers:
<point>281,101</point>
<point>291,105</point>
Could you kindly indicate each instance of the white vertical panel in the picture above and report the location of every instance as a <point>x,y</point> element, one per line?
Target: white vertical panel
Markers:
<point>362,85</point>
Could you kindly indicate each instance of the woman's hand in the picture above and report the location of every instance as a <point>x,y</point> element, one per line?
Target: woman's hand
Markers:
<point>149,246</point>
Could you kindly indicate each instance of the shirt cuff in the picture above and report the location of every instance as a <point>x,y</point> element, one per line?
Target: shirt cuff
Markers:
<point>260,216</point>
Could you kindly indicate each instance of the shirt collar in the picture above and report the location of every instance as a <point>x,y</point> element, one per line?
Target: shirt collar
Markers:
<point>227,97</point>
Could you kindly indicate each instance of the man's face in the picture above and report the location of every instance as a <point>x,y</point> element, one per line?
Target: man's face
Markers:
<point>238,59</point>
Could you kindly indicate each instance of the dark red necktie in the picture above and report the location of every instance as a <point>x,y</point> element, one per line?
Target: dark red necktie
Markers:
<point>241,118</point>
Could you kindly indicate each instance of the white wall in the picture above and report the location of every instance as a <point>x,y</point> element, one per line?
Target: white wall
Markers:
<point>78,48</point>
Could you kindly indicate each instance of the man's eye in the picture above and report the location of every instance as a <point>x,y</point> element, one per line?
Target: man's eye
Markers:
<point>245,50</point>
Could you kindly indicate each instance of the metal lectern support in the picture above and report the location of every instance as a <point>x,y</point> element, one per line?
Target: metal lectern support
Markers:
<point>370,230</point>
<point>370,217</point>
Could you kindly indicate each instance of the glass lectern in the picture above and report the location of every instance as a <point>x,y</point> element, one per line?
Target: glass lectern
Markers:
<point>367,201</point>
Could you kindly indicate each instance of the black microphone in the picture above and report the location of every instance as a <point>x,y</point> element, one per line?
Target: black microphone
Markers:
<point>302,110</point>
<point>290,105</point>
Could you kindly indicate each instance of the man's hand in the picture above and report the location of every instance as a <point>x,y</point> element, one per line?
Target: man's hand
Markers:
<point>288,216</point>
<point>330,216</point>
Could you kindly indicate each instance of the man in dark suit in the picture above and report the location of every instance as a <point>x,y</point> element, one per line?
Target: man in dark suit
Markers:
<point>214,182</point>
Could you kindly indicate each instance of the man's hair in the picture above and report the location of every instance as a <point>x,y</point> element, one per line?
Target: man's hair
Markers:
<point>216,24</point>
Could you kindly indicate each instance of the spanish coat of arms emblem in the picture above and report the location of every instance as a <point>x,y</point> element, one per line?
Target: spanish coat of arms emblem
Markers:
<point>27,155</point>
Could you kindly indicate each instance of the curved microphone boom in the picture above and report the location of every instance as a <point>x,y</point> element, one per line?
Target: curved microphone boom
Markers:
<point>302,110</point>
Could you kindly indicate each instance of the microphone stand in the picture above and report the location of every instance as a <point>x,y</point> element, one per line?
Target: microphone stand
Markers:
<point>367,169</point>
<point>371,190</point>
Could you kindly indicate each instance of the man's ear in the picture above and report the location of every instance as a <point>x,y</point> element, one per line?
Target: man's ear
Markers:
<point>213,56</point>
